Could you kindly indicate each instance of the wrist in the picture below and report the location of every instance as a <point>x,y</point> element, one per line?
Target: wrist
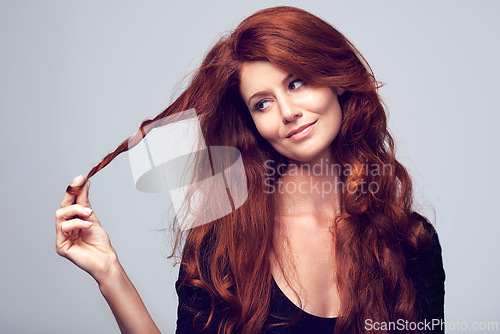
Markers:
<point>110,273</point>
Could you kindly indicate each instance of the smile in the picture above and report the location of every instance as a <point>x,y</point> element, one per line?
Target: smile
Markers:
<point>302,131</point>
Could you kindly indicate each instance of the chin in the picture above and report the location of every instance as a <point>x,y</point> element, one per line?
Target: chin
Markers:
<point>312,156</point>
<point>306,158</point>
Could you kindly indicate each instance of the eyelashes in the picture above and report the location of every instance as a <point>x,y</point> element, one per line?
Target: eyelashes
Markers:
<point>261,105</point>
<point>296,84</point>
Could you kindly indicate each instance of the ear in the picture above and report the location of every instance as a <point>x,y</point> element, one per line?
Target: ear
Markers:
<point>339,91</point>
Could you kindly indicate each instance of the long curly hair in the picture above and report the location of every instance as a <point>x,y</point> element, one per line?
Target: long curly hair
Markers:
<point>375,228</point>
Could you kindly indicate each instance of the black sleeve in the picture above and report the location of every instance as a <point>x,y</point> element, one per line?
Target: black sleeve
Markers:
<point>427,272</point>
<point>192,301</point>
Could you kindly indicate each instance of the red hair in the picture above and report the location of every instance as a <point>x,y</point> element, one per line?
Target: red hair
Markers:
<point>375,229</point>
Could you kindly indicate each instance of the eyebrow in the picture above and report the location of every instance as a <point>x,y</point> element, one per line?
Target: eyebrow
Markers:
<point>263,93</point>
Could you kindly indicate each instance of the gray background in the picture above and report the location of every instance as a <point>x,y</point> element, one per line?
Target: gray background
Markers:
<point>78,77</point>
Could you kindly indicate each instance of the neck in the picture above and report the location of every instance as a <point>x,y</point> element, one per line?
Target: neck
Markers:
<point>311,188</point>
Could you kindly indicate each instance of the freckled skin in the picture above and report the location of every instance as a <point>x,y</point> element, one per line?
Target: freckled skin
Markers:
<point>280,102</point>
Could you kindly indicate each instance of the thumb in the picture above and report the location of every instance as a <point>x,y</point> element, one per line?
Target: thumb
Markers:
<point>83,196</point>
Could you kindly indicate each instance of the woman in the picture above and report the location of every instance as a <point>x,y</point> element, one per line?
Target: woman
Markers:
<point>327,240</point>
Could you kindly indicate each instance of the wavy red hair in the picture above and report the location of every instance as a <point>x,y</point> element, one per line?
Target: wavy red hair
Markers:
<point>375,229</point>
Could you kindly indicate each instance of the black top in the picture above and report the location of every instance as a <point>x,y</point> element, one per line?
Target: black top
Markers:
<point>425,269</point>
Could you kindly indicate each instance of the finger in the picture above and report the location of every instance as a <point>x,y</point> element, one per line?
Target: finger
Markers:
<point>83,196</point>
<point>69,199</point>
<point>71,211</point>
<point>74,224</point>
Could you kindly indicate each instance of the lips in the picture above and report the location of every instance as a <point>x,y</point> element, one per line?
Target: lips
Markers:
<point>300,129</point>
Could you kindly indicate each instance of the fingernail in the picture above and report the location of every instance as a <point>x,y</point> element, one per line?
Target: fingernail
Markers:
<point>78,178</point>
<point>88,223</point>
<point>87,210</point>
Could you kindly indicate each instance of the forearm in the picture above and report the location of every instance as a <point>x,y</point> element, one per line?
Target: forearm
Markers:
<point>125,303</point>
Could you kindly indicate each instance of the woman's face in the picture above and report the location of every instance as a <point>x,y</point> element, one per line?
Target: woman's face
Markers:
<point>298,120</point>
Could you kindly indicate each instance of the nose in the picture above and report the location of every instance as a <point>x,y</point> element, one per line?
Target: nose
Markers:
<point>290,111</point>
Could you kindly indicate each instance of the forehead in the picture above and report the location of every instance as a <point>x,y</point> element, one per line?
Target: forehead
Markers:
<point>259,75</point>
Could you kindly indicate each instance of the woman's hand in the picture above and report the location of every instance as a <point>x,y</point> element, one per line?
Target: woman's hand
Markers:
<point>81,239</point>
<point>80,236</point>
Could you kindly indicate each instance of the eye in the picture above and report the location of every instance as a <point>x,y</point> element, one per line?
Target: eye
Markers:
<point>296,84</point>
<point>261,105</point>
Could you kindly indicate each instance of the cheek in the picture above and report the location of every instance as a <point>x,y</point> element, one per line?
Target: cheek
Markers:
<point>320,100</point>
<point>266,126</point>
